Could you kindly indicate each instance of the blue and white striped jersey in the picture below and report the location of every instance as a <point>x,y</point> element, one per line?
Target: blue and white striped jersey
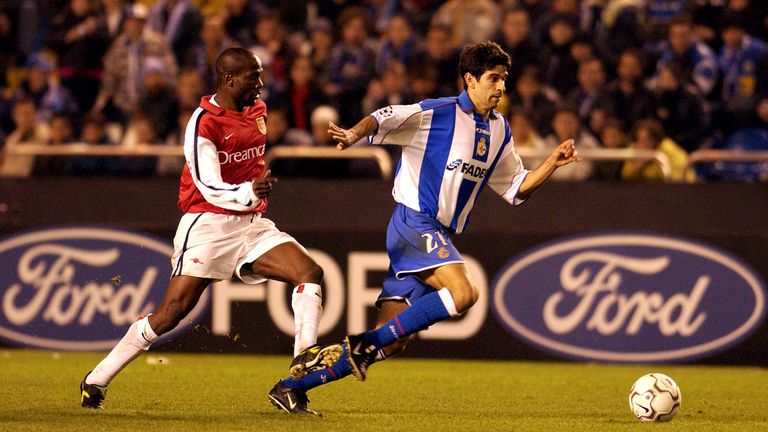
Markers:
<point>449,154</point>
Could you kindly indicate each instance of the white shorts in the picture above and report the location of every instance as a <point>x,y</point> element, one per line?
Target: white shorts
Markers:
<point>215,246</point>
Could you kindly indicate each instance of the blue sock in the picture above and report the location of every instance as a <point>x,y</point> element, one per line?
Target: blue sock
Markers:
<point>424,312</point>
<point>311,380</point>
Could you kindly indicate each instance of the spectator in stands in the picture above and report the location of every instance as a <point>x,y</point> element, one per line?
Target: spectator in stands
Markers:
<point>525,136</point>
<point>660,14</point>
<point>113,15</point>
<point>391,89</point>
<point>202,56</point>
<point>61,133</point>
<point>566,124</point>
<point>332,9</point>
<point>697,60</point>
<point>761,107</point>
<point>157,103</point>
<point>399,44</point>
<point>179,21</point>
<point>122,85</point>
<point>319,49</point>
<point>352,65</point>
<point>334,168</point>
<point>585,97</point>
<point>738,65</point>
<point>536,8</point>
<point>557,63</point>
<point>240,20</point>
<point>7,46</point>
<point>27,131</point>
<point>420,12</point>
<point>80,42</point>
<point>535,100</point>
<point>277,126</point>
<point>321,115</point>
<point>189,90</point>
<point>94,133</point>
<point>270,46</point>
<point>557,10</point>
<point>444,56</point>
<point>754,13</point>
<point>470,21</point>
<point>144,132</point>
<point>423,80</point>
<point>27,24</point>
<point>648,134</point>
<point>381,13</point>
<point>515,39</point>
<point>43,86</point>
<point>616,26</point>
<point>626,98</point>
<point>6,117</point>
<point>612,136</point>
<point>302,95</point>
<point>681,111</point>
<point>707,16</point>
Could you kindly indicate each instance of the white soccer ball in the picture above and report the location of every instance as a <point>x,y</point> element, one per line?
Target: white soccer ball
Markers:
<point>654,397</point>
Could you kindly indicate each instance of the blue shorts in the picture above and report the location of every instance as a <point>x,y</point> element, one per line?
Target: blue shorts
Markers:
<point>415,242</point>
<point>407,289</point>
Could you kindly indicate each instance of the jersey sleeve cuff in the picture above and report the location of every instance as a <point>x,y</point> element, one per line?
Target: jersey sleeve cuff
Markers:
<point>511,194</point>
<point>246,197</point>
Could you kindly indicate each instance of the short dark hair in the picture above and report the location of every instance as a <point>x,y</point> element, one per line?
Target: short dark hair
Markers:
<point>233,61</point>
<point>478,58</point>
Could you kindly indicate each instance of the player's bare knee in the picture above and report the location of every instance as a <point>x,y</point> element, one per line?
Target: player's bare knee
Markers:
<point>465,297</point>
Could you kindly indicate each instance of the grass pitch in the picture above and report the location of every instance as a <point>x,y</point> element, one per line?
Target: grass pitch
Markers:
<point>195,392</point>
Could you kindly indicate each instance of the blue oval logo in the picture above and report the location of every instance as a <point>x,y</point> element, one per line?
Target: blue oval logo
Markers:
<point>80,288</point>
<point>629,298</point>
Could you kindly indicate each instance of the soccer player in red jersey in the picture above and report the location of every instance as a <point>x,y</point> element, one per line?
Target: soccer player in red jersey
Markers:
<point>223,234</point>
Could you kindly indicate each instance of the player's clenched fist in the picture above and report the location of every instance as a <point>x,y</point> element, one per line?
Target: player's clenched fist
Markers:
<point>565,153</point>
<point>262,186</point>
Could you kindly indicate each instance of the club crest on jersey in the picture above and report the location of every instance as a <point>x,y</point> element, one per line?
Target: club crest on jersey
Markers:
<point>480,152</point>
<point>443,253</point>
<point>262,125</point>
<point>482,147</point>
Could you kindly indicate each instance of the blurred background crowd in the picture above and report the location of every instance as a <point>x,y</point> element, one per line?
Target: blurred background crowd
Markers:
<point>671,75</point>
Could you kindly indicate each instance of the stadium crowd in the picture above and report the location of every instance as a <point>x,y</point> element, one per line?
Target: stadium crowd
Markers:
<point>671,75</point>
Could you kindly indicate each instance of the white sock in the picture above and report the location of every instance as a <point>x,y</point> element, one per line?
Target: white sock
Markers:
<point>138,339</point>
<point>307,304</point>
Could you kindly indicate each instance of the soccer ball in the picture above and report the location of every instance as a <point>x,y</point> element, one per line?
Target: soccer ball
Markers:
<point>654,397</point>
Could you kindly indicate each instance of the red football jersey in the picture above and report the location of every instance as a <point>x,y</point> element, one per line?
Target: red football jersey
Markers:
<point>224,151</point>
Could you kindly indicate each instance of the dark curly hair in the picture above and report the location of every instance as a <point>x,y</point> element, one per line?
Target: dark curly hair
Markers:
<point>478,58</point>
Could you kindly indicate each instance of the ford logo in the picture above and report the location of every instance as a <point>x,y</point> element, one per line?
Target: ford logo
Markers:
<point>629,298</point>
<point>80,288</point>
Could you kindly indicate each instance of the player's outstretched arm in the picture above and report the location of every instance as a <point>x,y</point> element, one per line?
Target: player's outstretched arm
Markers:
<point>562,155</point>
<point>346,137</point>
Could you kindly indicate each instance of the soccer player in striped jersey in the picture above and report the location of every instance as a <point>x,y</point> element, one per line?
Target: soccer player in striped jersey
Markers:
<point>223,234</point>
<point>452,148</point>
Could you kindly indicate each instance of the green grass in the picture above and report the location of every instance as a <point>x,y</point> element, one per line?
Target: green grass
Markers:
<point>196,392</point>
